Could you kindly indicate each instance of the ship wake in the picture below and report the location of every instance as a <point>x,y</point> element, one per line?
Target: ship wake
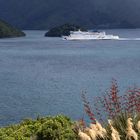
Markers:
<point>129,39</point>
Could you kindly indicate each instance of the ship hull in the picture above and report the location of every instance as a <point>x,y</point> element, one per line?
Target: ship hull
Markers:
<point>106,38</point>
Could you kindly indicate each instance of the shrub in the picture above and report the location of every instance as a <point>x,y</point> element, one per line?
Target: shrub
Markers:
<point>49,128</point>
<point>57,128</point>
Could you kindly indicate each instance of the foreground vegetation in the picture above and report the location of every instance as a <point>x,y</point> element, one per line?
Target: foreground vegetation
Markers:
<point>118,119</point>
<point>119,116</point>
<point>7,30</point>
<point>122,127</point>
<point>49,128</point>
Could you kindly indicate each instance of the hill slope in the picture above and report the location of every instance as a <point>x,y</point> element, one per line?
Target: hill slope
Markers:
<point>7,30</point>
<point>44,14</point>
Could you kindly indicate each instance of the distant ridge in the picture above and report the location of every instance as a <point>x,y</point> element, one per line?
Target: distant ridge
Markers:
<point>6,30</point>
<point>45,14</point>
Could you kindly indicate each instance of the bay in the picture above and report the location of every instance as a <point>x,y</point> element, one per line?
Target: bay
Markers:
<point>45,76</point>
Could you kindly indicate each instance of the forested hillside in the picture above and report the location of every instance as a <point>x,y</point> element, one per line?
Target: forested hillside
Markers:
<point>6,30</point>
<point>44,14</point>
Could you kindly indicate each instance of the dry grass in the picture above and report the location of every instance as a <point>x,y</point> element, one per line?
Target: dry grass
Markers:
<point>121,128</point>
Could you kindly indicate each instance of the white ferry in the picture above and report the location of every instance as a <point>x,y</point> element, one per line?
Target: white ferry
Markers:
<point>83,35</point>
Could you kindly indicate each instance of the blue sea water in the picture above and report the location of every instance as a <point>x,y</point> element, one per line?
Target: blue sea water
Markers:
<point>45,76</point>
